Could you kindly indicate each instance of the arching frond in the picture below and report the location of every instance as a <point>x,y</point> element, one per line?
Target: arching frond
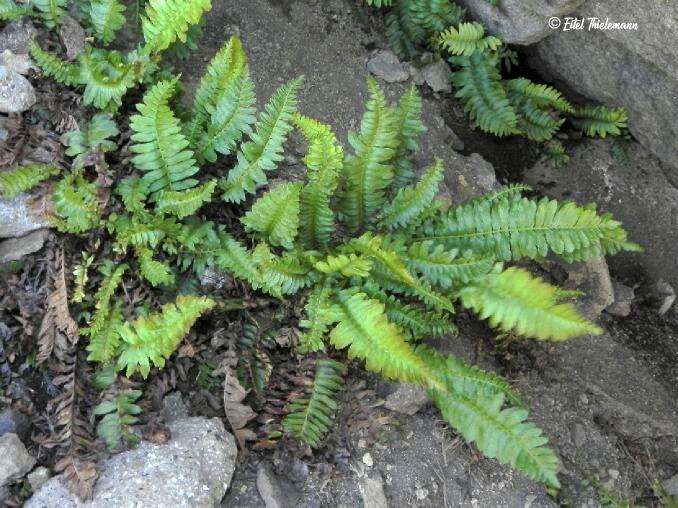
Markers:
<point>275,215</point>
<point>22,179</point>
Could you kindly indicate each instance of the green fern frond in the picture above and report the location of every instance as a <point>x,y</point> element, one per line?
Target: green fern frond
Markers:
<point>107,76</point>
<point>153,338</point>
<point>16,181</point>
<point>555,152</point>
<point>185,202</point>
<point>226,65</point>
<point>118,413</point>
<point>142,233</point>
<point>524,228</point>
<point>379,3</point>
<point>479,87</point>
<point>324,159</point>
<point>369,172</point>
<point>542,96</point>
<point>107,18</point>
<point>166,21</point>
<point>133,192</point>
<point>11,11</point>
<point>264,150</point>
<point>514,300</point>
<point>410,202</point>
<point>347,265</point>
<point>599,120</point>
<point>467,39</point>
<point>236,259</point>
<point>62,72</point>
<point>443,267</point>
<point>51,11</point>
<point>275,215</point>
<point>93,138</point>
<point>310,417</point>
<point>288,272</point>
<point>156,272</point>
<point>409,127</point>
<point>320,316</point>
<point>75,204</point>
<point>80,277</point>
<point>162,150</point>
<point>536,124</point>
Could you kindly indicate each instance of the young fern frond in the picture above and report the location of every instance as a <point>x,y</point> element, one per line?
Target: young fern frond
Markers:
<point>542,96</point>
<point>310,417</point>
<point>347,265</point>
<point>264,150</point>
<point>524,228</point>
<point>119,413</point>
<point>409,126</point>
<point>153,338</point>
<point>514,300</point>
<point>444,267</point>
<point>226,65</point>
<point>93,138</point>
<point>534,123</point>
<point>369,172</point>
<point>599,120</point>
<point>320,315</point>
<point>479,87</point>
<point>75,204</point>
<point>288,272</point>
<point>275,215</point>
<point>62,72</point>
<point>324,160</point>
<point>162,150</point>
<point>51,11</point>
<point>107,18</point>
<point>467,39</point>
<point>133,192</point>
<point>22,179</point>
<point>157,273</point>
<point>107,76</point>
<point>166,21</point>
<point>410,202</point>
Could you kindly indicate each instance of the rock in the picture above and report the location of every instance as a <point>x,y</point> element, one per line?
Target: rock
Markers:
<point>368,460</point>
<point>18,63</point>
<point>194,468</point>
<point>416,75</point>
<point>385,65</point>
<point>16,36</point>
<point>23,214</point>
<point>437,76</point>
<point>407,399</point>
<point>521,22</point>
<point>15,461</point>
<point>16,92</point>
<point>636,69</point>
<point>14,422</point>
<point>671,486</point>
<point>14,249</point>
<point>638,194</point>
<point>173,408</point>
<point>468,177</point>
<point>38,477</point>
<point>73,37</point>
<point>454,141</point>
<point>372,492</point>
<point>660,295</point>
<point>592,277</point>
<point>275,492</point>
<point>623,298</point>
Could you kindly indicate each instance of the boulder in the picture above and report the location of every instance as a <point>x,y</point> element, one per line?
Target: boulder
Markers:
<point>16,36</point>
<point>15,461</point>
<point>23,214</point>
<point>73,37</point>
<point>519,21</point>
<point>591,277</point>
<point>14,249</point>
<point>437,76</point>
<point>194,468</point>
<point>638,194</point>
<point>468,177</point>
<point>14,422</point>
<point>16,92</point>
<point>275,491</point>
<point>18,63</point>
<point>623,298</point>
<point>636,69</point>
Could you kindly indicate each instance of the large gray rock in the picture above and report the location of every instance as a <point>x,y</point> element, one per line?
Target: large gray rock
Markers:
<point>23,214</point>
<point>16,35</point>
<point>15,461</point>
<point>637,194</point>
<point>591,277</point>
<point>637,69</point>
<point>519,21</point>
<point>16,92</point>
<point>193,469</point>
<point>385,65</point>
<point>468,177</point>
<point>14,249</point>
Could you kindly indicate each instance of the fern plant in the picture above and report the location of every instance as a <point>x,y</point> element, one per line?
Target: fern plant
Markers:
<point>372,255</point>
